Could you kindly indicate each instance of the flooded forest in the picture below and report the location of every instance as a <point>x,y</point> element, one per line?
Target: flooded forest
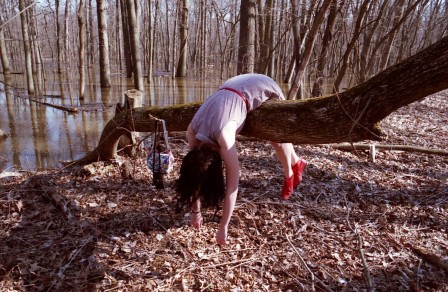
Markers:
<point>81,56</point>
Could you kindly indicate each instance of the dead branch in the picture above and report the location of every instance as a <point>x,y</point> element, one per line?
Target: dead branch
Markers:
<point>366,268</point>
<point>313,277</point>
<point>389,147</point>
<point>60,107</point>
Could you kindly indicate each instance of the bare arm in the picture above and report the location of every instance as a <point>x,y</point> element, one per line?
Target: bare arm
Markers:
<point>230,157</point>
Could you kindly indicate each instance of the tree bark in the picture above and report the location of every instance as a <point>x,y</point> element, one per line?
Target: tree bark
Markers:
<point>322,60</point>
<point>135,45</point>
<point>126,39</point>
<point>3,53</point>
<point>246,50</point>
<point>311,38</point>
<point>58,36</point>
<point>350,116</point>
<point>266,40</point>
<point>27,48</point>
<point>355,36</point>
<point>183,31</point>
<point>103,42</point>
<point>82,48</point>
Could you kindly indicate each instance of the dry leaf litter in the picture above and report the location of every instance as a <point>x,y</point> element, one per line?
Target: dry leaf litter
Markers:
<point>353,224</point>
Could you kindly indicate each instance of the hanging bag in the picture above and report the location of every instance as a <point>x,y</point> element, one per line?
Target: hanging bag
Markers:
<point>160,160</point>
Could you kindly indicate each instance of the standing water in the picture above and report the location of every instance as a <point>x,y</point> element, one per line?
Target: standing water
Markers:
<point>41,136</point>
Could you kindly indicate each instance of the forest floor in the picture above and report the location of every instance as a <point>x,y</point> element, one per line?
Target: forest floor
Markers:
<point>352,223</point>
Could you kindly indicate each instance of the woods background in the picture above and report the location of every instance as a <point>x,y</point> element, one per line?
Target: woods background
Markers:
<point>336,43</point>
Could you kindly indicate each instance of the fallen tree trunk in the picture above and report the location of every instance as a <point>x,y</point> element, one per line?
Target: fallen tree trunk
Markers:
<point>349,116</point>
<point>59,107</point>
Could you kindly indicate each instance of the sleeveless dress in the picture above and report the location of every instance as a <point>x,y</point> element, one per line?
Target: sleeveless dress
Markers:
<point>226,105</point>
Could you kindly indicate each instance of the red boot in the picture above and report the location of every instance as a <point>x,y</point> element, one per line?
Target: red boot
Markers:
<point>287,187</point>
<point>298,169</point>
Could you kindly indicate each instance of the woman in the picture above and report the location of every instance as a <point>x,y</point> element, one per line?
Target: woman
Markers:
<point>211,137</point>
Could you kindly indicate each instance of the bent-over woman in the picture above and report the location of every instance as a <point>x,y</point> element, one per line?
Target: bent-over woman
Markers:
<point>211,138</point>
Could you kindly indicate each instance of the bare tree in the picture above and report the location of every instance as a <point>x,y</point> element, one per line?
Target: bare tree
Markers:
<point>175,35</point>
<point>90,35</point>
<point>266,31</point>
<point>391,33</point>
<point>26,48</point>
<point>246,49</point>
<point>322,59</point>
<point>152,27</point>
<point>103,42</point>
<point>58,36</point>
<point>66,31</point>
<point>311,38</point>
<point>355,36</point>
<point>134,32</point>
<point>183,30</point>
<point>3,53</point>
<point>126,39</point>
<point>82,48</point>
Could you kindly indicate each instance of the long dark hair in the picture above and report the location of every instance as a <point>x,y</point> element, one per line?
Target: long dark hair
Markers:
<point>201,177</point>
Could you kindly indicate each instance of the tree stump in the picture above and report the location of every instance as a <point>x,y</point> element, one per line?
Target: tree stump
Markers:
<point>132,99</point>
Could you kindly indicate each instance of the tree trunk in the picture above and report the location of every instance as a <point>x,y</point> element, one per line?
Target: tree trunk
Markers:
<point>322,60</point>
<point>90,36</point>
<point>27,49</point>
<point>393,30</point>
<point>183,31</point>
<point>66,35</point>
<point>311,38</point>
<point>367,41</point>
<point>103,42</point>
<point>3,53</point>
<point>246,50</point>
<point>350,116</point>
<point>82,49</point>
<point>150,41</point>
<point>135,45</point>
<point>266,40</point>
<point>355,35</point>
<point>174,53</point>
<point>126,39</point>
<point>58,36</point>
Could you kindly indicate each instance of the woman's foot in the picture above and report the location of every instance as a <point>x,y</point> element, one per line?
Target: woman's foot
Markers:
<point>298,169</point>
<point>287,187</point>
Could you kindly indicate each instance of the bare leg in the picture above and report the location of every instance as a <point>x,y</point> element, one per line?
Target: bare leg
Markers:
<point>287,156</point>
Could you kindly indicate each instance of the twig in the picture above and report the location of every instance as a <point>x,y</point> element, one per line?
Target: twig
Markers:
<point>417,281</point>
<point>24,9</point>
<point>239,262</point>
<point>61,272</point>
<point>355,122</point>
<point>313,277</point>
<point>366,269</point>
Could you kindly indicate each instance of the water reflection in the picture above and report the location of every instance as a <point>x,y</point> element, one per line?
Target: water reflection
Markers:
<point>41,136</point>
